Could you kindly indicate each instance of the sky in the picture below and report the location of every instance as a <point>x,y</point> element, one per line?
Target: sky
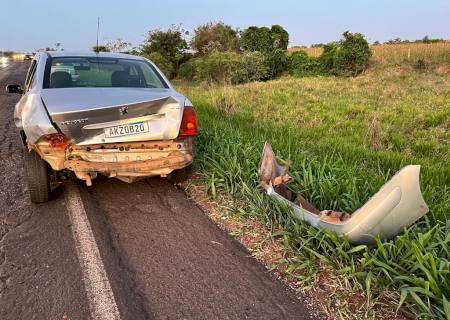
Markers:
<point>26,25</point>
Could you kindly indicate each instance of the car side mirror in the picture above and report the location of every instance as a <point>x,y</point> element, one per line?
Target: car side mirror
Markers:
<point>14,88</point>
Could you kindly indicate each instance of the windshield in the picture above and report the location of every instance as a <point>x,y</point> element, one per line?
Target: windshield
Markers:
<point>70,72</point>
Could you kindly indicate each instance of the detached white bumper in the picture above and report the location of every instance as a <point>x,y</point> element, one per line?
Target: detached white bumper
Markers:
<point>397,205</point>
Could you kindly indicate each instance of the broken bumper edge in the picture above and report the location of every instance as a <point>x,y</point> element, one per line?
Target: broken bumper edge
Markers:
<point>129,171</point>
<point>397,205</point>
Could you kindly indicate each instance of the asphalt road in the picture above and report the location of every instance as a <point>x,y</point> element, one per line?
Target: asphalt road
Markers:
<point>4,65</point>
<point>163,257</point>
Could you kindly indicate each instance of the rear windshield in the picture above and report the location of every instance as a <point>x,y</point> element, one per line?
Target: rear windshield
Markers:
<point>70,72</point>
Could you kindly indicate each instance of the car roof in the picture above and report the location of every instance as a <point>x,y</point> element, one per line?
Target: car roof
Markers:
<point>58,54</point>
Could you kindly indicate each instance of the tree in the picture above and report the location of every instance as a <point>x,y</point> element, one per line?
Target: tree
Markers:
<point>256,39</point>
<point>264,39</point>
<point>118,45</point>
<point>169,43</point>
<point>162,63</point>
<point>271,42</point>
<point>100,48</point>
<point>280,37</point>
<point>394,41</point>
<point>134,51</point>
<point>215,36</point>
<point>57,47</point>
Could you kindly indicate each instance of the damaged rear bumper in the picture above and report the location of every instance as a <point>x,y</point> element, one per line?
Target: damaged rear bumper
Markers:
<point>397,205</point>
<point>126,161</point>
<point>176,160</point>
<point>129,171</point>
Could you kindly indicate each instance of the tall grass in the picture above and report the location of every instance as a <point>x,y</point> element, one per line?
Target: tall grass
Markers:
<point>322,125</point>
<point>395,54</point>
<point>433,53</point>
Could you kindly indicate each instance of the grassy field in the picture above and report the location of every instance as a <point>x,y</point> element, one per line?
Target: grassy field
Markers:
<point>394,54</point>
<point>346,137</point>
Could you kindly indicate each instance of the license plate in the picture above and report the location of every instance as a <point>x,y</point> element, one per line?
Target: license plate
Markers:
<point>126,129</point>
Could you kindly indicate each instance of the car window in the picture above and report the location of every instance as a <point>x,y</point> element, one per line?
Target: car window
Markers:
<point>67,72</point>
<point>150,77</point>
<point>30,75</point>
<point>32,65</point>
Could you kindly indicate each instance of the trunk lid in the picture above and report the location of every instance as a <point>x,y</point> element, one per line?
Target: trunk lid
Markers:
<point>86,114</point>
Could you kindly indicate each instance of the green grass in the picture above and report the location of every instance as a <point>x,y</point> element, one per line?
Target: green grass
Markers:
<point>346,137</point>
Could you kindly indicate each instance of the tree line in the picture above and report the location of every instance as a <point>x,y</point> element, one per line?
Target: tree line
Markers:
<point>217,52</point>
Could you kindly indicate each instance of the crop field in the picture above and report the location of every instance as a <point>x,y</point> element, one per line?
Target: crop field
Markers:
<point>392,54</point>
<point>345,137</point>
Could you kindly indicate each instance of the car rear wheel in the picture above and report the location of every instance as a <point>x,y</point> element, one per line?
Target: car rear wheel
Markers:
<point>180,175</point>
<point>37,176</point>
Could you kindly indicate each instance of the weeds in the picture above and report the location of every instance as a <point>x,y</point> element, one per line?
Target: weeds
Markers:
<point>375,133</point>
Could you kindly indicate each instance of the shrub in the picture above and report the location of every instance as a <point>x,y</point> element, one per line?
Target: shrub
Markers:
<point>227,67</point>
<point>219,67</point>
<point>252,67</point>
<point>277,62</point>
<point>327,59</point>
<point>300,64</point>
<point>349,57</point>
<point>353,55</point>
<point>420,64</point>
<point>162,63</point>
<point>187,70</point>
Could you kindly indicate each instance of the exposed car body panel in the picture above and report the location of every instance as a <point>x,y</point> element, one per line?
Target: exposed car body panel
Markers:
<point>83,114</point>
<point>397,205</point>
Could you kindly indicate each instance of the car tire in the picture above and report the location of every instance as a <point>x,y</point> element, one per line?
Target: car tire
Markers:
<point>36,171</point>
<point>180,175</point>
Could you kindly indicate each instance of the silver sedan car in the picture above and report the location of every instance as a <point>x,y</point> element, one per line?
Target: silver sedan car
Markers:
<point>107,113</point>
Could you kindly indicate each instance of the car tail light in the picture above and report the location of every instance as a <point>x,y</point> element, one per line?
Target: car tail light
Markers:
<point>189,122</point>
<point>57,140</point>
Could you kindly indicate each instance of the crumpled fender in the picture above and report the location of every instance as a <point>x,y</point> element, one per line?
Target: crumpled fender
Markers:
<point>31,116</point>
<point>397,205</point>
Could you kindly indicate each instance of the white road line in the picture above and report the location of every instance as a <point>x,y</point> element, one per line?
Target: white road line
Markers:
<point>98,289</point>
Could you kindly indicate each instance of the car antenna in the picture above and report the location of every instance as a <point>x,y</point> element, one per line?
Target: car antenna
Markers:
<point>98,27</point>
